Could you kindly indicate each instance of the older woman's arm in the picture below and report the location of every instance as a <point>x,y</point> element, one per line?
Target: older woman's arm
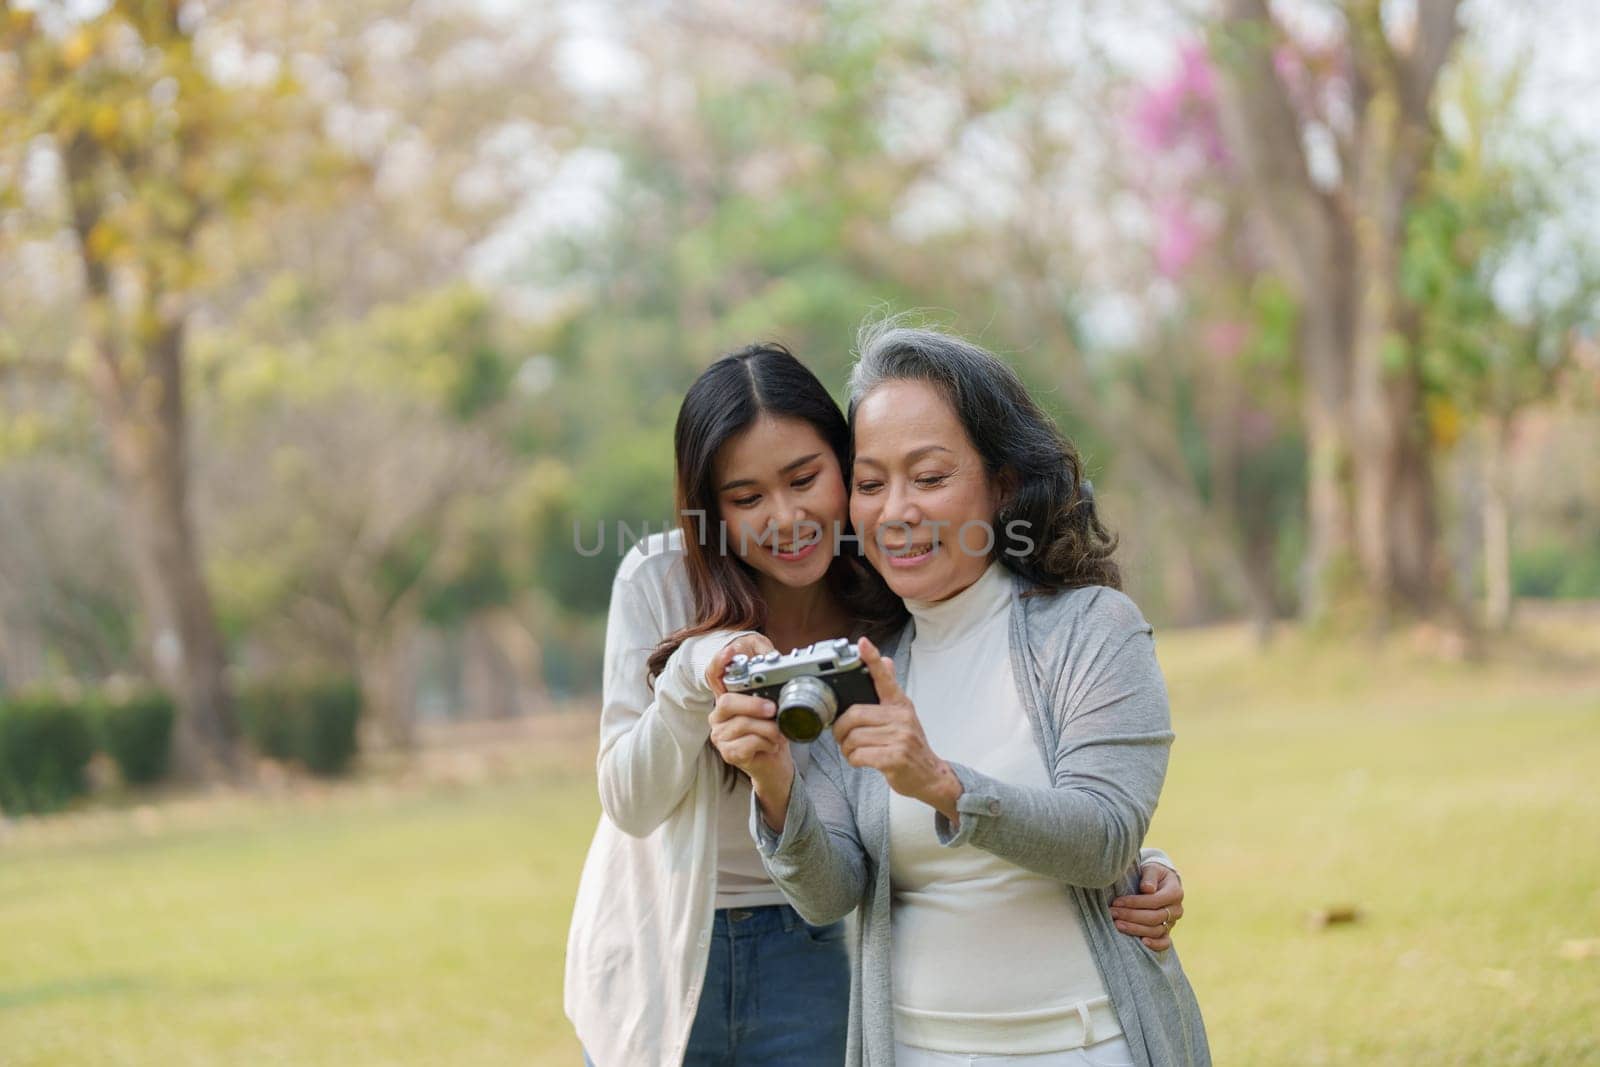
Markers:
<point>817,859</point>
<point>1111,761</point>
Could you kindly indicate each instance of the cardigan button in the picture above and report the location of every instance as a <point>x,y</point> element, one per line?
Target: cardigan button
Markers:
<point>994,807</point>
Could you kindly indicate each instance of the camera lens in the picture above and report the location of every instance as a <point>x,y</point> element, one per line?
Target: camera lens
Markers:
<point>806,706</point>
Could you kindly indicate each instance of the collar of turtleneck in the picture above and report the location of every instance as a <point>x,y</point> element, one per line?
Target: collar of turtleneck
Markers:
<point>947,622</point>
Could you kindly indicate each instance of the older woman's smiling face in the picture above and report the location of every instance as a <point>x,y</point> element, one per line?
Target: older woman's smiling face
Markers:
<point>922,502</point>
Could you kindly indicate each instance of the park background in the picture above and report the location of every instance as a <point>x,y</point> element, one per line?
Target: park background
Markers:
<point>329,332</point>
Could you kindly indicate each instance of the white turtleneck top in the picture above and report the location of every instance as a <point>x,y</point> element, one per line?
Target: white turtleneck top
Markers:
<point>988,958</point>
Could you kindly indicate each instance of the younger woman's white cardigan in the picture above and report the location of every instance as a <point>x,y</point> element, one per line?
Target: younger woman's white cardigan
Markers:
<point>641,927</point>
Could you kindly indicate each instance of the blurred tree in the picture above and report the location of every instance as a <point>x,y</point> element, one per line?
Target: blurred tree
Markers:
<point>798,167</point>
<point>386,494</point>
<point>359,483</point>
<point>795,168</point>
<point>291,196</point>
<point>1212,385</point>
<point>751,202</point>
<point>1012,217</point>
<point>151,149</point>
<point>1334,143</point>
<point>1491,211</point>
<point>242,186</point>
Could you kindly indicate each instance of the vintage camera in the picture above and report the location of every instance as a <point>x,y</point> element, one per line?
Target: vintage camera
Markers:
<point>812,686</point>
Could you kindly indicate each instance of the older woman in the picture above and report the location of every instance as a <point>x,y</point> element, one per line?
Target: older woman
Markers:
<point>988,809</point>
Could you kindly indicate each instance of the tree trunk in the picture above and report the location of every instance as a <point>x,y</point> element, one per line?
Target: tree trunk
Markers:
<point>1498,597</point>
<point>489,687</point>
<point>1327,509</point>
<point>1311,246</point>
<point>1261,603</point>
<point>1325,572</point>
<point>137,382</point>
<point>1419,581</point>
<point>523,657</point>
<point>1396,527</point>
<point>1396,511</point>
<point>142,409</point>
<point>19,666</point>
<point>388,687</point>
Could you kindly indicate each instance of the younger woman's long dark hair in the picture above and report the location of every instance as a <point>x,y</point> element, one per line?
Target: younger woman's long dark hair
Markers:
<point>725,401</point>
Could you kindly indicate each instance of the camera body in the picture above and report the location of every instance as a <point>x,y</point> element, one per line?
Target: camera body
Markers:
<point>812,686</point>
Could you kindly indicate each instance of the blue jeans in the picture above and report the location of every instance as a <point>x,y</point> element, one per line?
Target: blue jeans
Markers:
<point>777,992</point>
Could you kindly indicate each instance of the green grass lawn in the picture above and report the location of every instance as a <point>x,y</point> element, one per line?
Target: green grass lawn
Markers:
<point>1456,806</point>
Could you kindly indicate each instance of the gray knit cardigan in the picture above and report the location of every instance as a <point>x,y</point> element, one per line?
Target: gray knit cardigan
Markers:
<point>1085,666</point>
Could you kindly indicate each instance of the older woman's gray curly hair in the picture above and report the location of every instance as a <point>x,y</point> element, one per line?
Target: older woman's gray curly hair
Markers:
<point>1063,543</point>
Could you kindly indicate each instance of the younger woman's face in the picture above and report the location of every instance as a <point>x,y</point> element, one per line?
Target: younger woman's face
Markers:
<point>781,496</point>
<point>923,504</point>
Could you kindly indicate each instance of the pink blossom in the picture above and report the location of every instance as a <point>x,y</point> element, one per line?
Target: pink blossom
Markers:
<point>1195,74</point>
<point>1181,238</point>
<point>1182,111</point>
<point>1156,118</point>
<point>1225,339</point>
<point>1315,78</point>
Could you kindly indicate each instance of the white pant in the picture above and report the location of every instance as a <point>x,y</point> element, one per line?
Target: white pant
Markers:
<point>1112,1052</point>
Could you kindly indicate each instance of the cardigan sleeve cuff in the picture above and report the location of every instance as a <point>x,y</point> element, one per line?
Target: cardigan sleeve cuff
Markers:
<point>979,801</point>
<point>769,842</point>
<point>1155,855</point>
<point>682,686</point>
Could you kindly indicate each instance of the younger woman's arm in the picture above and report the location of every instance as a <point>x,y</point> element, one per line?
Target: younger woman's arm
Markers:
<point>650,741</point>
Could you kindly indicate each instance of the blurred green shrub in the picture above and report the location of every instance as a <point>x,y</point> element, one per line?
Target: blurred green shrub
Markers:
<point>45,745</point>
<point>313,722</point>
<point>267,715</point>
<point>328,732</point>
<point>1557,571</point>
<point>136,731</point>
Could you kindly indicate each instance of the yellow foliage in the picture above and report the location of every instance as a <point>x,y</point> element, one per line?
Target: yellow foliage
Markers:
<point>80,357</point>
<point>78,49</point>
<point>20,434</point>
<point>1444,420</point>
<point>105,122</point>
<point>251,376</point>
<point>103,241</point>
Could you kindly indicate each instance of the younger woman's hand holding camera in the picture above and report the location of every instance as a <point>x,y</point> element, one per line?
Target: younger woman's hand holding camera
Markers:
<point>744,729</point>
<point>745,645</point>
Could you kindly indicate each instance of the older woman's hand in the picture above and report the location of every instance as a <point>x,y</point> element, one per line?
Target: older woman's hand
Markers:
<point>888,737</point>
<point>1151,915</point>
